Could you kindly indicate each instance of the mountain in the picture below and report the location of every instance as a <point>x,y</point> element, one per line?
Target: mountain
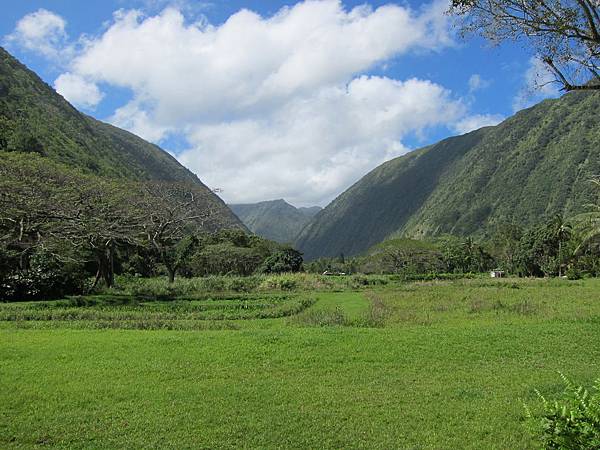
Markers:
<point>34,118</point>
<point>534,164</point>
<point>276,220</point>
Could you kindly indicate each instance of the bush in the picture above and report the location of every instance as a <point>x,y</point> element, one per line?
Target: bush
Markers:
<point>46,278</point>
<point>279,282</point>
<point>573,273</point>
<point>247,284</point>
<point>286,260</point>
<point>569,423</point>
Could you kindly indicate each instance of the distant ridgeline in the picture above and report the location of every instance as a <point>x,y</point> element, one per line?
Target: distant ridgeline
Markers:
<point>35,119</point>
<point>276,220</point>
<point>534,164</point>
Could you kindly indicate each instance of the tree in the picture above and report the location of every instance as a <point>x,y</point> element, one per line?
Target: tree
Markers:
<point>542,247</point>
<point>285,260</point>
<point>564,34</point>
<point>505,244</point>
<point>465,255</point>
<point>67,214</point>
<point>588,224</point>
<point>175,212</point>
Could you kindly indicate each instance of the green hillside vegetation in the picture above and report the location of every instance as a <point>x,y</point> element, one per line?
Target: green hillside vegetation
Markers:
<point>35,119</point>
<point>276,220</point>
<point>535,164</point>
<point>59,226</point>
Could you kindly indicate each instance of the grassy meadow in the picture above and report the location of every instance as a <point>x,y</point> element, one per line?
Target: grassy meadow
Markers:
<point>294,362</point>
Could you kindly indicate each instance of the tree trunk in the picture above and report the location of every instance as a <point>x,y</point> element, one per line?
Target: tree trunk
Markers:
<point>171,273</point>
<point>97,279</point>
<point>105,259</point>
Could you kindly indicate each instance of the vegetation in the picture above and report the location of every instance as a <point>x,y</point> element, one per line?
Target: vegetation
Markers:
<point>276,220</point>
<point>35,120</point>
<point>570,423</point>
<point>59,226</point>
<point>564,34</point>
<point>536,164</point>
<point>366,368</point>
<point>550,248</point>
<point>103,267</point>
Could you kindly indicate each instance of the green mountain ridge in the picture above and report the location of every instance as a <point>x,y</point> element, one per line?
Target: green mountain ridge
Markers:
<point>34,118</point>
<point>276,220</point>
<point>534,164</point>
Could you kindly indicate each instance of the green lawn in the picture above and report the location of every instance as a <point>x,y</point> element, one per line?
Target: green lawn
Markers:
<point>446,371</point>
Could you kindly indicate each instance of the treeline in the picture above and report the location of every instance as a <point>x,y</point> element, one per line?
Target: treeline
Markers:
<point>554,247</point>
<point>60,227</point>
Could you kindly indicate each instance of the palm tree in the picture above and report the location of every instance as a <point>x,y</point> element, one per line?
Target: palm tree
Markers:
<point>588,224</point>
<point>562,231</point>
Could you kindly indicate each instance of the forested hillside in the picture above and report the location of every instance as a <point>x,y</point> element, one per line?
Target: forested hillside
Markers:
<point>534,164</point>
<point>35,119</point>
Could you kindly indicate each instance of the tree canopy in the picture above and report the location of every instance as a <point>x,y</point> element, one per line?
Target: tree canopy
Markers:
<point>564,34</point>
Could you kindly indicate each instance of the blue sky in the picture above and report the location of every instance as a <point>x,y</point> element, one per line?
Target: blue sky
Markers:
<point>292,99</point>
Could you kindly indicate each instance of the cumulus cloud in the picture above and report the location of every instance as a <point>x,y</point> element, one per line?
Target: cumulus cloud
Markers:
<point>313,147</point>
<point>477,83</point>
<point>538,84</point>
<point>41,31</point>
<point>275,106</point>
<point>476,121</point>
<point>78,90</point>
<point>135,118</point>
<point>272,106</point>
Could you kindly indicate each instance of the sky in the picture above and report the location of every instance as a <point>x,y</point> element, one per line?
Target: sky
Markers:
<point>274,99</point>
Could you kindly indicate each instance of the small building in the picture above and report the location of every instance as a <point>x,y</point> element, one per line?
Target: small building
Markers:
<point>497,273</point>
<point>334,274</point>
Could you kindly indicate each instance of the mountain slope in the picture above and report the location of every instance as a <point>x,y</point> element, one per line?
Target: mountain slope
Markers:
<point>535,163</point>
<point>276,220</point>
<point>34,118</point>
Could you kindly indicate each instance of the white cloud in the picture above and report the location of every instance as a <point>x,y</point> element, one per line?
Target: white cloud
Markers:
<point>135,118</point>
<point>477,83</point>
<point>42,31</point>
<point>249,63</point>
<point>275,106</point>
<point>476,121</point>
<point>538,84</point>
<point>315,146</point>
<point>78,90</point>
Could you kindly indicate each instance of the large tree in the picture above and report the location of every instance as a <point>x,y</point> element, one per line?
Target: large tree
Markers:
<point>564,34</point>
<point>64,212</point>
<point>175,212</point>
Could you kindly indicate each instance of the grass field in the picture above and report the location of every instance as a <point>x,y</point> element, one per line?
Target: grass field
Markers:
<point>436,365</point>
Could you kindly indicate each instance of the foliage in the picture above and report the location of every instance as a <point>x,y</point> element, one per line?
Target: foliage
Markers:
<point>46,277</point>
<point>542,248</point>
<point>465,256</point>
<point>284,260</point>
<point>571,422</point>
<point>588,224</point>
<point>564,34</point>
<point>433,365</point>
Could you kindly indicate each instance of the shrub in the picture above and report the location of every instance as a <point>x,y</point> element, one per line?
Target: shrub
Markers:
<point>46,278</point>
<point>279,282</point>
<point>285,260</point>
<point>247,284</point>
<point>569,423</point>
<point>573,273</point>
